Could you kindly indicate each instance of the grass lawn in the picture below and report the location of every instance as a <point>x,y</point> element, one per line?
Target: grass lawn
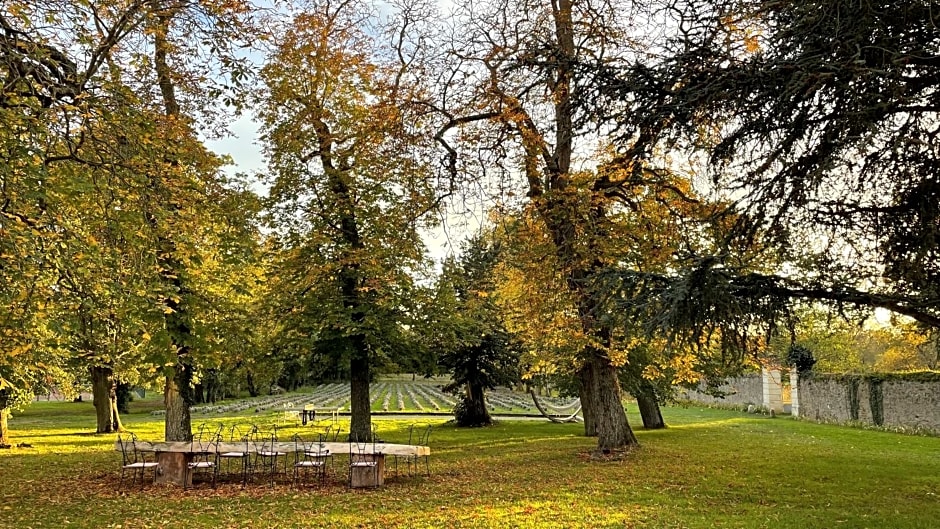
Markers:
<point>711,468</point>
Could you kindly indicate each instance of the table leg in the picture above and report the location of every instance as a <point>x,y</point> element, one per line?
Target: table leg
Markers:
<point>380,471</point>
<point>363,477</point>
<point>174,468</point>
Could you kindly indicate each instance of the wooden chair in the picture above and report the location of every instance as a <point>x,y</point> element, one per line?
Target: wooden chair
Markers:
<point>135,461</point>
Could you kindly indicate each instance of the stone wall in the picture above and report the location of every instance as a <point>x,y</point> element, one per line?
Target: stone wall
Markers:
<point>739,393</point>
<point>898,401</point>
<point>894,401</point>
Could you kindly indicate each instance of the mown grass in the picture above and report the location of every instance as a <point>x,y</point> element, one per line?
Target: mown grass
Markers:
<point>711,468</point>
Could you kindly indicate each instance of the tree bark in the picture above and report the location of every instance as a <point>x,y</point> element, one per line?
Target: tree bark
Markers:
<point>339,181</point>
<point>613,430</point>
<point>644,392</point>
<point>588,404</point>
<point>648,405</point>
<point>199,394</point>
<point>360,407</point>
<point>212,386</point>
<point>177,396</point>
<point>4,429</point>
<point>601,398</point>
<point>123,397</point>
<point>104,390</point>
<point>475,412</point>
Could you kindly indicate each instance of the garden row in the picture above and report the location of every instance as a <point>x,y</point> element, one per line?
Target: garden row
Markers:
<point>388,397</point>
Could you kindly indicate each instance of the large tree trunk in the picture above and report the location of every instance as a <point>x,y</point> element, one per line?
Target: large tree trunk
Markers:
<point>212,386</point>
<point>613,430</point>
<point>199,394</point>
<point>104,390</point>
<point>601,396</point>
<point>176,394</point>
<point>123,397</point>
<point>360,407</point>
<point>4,429</point>
<point>588,402</point>
<point>475,412</point>
<point>339,181</point>
<point>648,405</point>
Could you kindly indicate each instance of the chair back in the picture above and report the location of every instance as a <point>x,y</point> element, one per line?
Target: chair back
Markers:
<point>269,442</point>
<point>411,433</point>
<point>300,447</point>
<point>205,438</point>
<point>361,451</point>
<point>128,453</point>
<point>425,437</point>
<point>242,438</point>
<point>315,449</point>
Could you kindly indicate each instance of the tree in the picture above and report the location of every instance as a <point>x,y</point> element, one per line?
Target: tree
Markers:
<point>82,73</point>
<point>472,342</point>
<point>514,97</point>
<point>38,108</point>
<point>819,117</point>
<point>351,184</point>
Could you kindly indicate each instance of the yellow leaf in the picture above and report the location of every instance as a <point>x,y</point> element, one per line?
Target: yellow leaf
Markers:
<point>751,44</point>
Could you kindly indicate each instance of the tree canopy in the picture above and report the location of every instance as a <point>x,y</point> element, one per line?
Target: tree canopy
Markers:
<point>817,118</point>
<point>675,186</point>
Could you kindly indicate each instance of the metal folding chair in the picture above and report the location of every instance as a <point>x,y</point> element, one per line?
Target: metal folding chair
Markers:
<point>205,450</point>
<point>363,466</point>
<point>422,439</point>
<point>309,457</point>
<point>135,461</point>
<point>267,457</point>
<point>242,454</point>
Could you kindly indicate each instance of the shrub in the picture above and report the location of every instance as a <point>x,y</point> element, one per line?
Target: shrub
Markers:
<point>801,358</point>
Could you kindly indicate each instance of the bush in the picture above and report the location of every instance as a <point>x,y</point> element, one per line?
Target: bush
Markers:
<point>801,358</point>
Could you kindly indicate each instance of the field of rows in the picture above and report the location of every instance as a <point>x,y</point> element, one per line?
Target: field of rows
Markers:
<point>387,397</point>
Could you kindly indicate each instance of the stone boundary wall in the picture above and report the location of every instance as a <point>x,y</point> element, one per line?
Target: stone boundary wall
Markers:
<point>909,401</point>
<point>892,401</point>
<point>739,393</point>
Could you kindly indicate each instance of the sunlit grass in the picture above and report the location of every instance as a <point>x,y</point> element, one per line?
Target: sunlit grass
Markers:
<point>711,468</point>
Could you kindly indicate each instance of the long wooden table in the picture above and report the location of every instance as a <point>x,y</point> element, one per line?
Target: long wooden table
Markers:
<point>174,457</point>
